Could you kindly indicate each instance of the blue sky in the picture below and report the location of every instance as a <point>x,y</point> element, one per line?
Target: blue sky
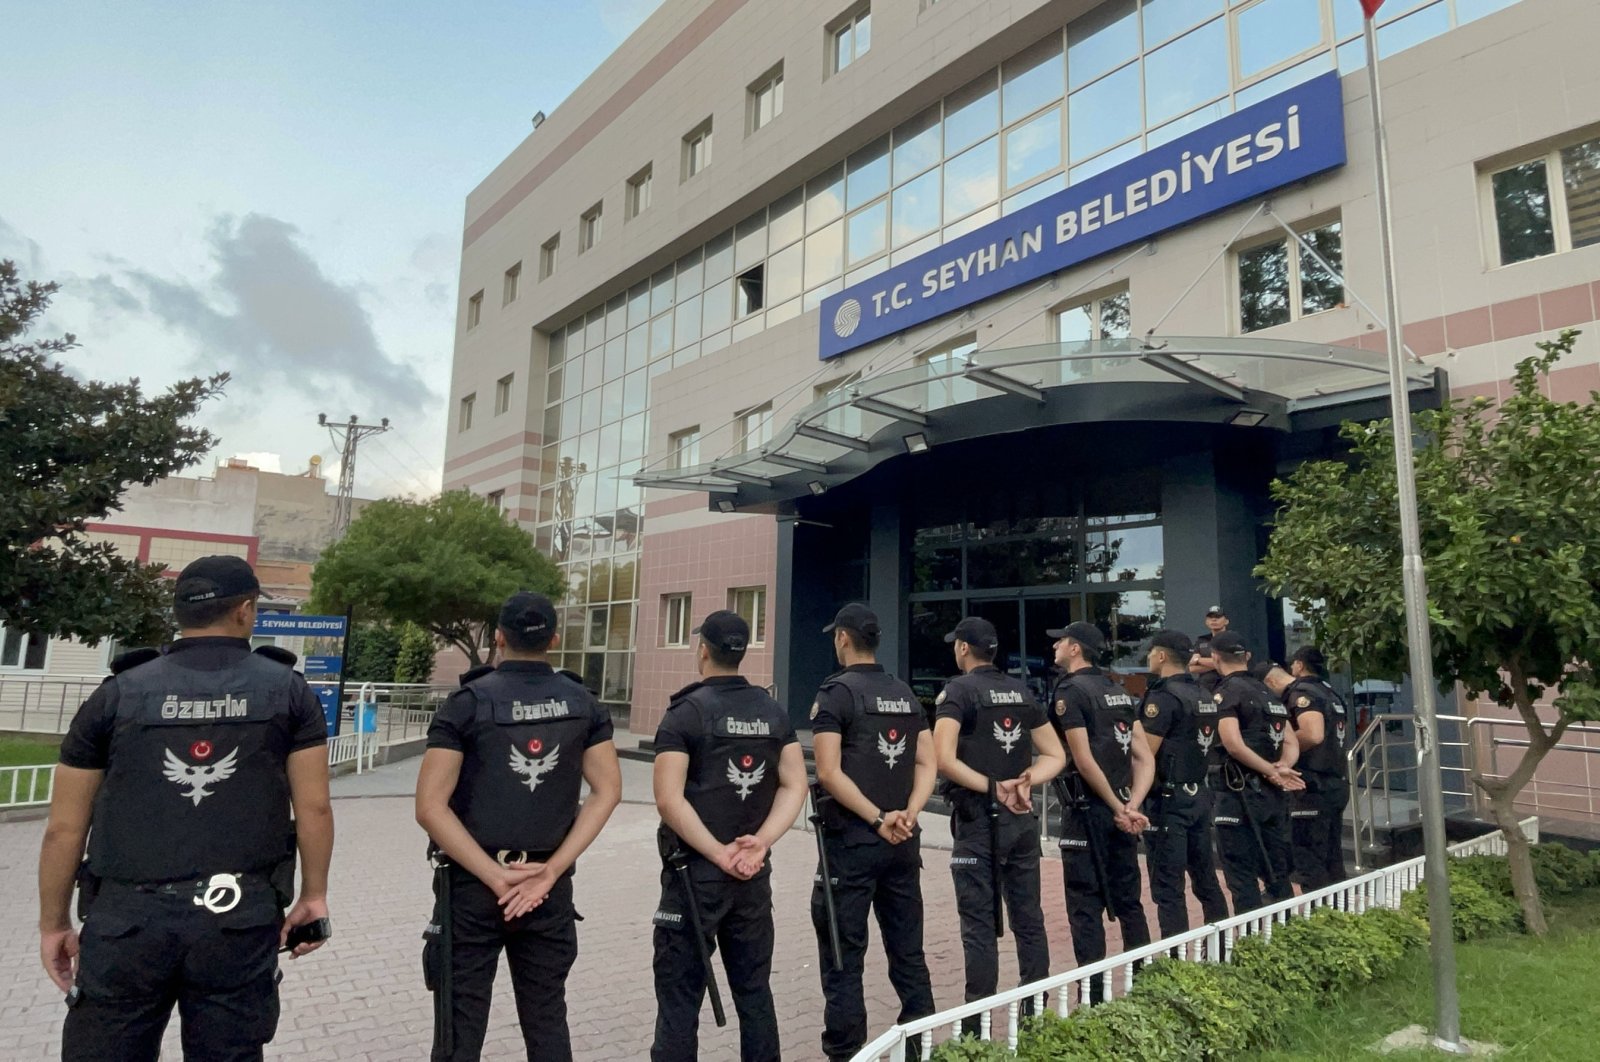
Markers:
<point>275,189</point>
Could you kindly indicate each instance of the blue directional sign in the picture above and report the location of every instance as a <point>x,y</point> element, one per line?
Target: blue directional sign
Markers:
<point>286,625</point>
<point>322,666</point>
<point>1285,138</point>
<point>329,696</point>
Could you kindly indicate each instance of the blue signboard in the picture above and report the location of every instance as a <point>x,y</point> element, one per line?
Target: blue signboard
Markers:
<point>285,625</point>
<point>1280,140</point>
<point>329,696</point>
<point>321,666</point>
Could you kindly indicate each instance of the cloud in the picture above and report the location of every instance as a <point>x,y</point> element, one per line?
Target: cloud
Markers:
<point>271,316</point>
<point>622,17</point>
<point>27,253</point>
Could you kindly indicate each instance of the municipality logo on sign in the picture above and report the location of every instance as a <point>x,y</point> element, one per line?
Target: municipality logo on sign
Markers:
<point>847,318</point>
<point>1287,138</point>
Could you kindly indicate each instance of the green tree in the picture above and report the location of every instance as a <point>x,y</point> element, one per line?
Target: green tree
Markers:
<point>446,564</point>
<point>69,449</point>
<point>1507,495</point>
<point>415,660</point>
<point>371,655</point>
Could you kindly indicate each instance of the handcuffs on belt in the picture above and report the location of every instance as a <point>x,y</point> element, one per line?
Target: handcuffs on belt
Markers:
<point>222,894</point>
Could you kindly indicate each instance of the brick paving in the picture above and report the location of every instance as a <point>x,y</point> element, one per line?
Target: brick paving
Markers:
<point>361,999</point>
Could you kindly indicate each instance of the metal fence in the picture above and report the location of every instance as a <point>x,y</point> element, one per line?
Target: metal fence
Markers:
<point>27,786</point>
<point>1070,990</point>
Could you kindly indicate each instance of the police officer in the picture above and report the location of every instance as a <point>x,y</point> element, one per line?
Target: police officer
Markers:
<point>1181,729</point>
<point>186,763</point>
<point>1204,670</point>
<point>730,780</point>
<point>498,793</point>
<point>1257,768</point>
<point>1316,815</point>
<point>875,760</point>
<point>987,730</point>
<point>1109,773</point>
<point>1216,622</point>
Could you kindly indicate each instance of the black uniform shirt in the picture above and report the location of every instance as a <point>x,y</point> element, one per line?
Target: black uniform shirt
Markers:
<point>1261,717</point>
<point>1171,713</point>
<point>1315,695</point>
<point>452,724</point>
<point>87,744</point>
<point>681,730</point>
<point>959,701</point>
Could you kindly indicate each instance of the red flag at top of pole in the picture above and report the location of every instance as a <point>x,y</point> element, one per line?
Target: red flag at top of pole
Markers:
<point>1371,7</point>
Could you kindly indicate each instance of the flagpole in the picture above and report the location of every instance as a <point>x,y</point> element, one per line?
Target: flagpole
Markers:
<point>1430,787</point>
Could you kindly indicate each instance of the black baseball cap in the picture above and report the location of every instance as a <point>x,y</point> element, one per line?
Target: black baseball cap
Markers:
<point>854,617</point>
<point>724,630</point>
<point>1227,642</point>
<point>528,615</point>
<point>1215,610</point>
<point>1260,671</point>
<point>1085,634</point>
<point>1171,640</point>
<point>975,631</point>
<point>215,578</point>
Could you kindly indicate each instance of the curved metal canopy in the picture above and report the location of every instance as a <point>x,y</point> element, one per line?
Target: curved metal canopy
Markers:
<point>1239,381</point>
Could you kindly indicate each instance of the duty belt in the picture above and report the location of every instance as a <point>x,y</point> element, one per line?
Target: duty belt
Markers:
<point>506,857</point>
<point>219,894</point>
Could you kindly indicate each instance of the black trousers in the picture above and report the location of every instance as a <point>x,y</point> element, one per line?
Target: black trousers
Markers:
<point>1179,840</point>
<point>1316,821</point>
<point>1019,887</point>
<point>869,873</point>
<point>1242,865</point>
<point>540,948</point>
<point>140,953</point>
<point>1086,830</point>
<point>736,917</point>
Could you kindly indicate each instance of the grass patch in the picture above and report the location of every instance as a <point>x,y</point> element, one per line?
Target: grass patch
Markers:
<point>1534,997</point>
<point>23,750</point>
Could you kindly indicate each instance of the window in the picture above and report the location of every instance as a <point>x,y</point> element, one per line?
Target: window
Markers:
<point>676,619</point>
<point>502,394</point>
<point>685,447</point>
<point>697,149</point>
<point>549,251</point>
<point>1103,317</point>
<point>1547,205</point>
<point>750,603</point>
<point>589,228</point>
<point>509,292</point>
<point>749,296</point>
<point>1279,282</point>
<point>752,429</point>
<point>639,192</point>
<point>766,98</point>
<point>464,421</point>
<point>474,310</point>
<point>497,498</point>
<point>23,652</point>
<point>849,38</point>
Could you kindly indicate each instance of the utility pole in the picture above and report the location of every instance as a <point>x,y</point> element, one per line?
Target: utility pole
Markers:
<point>347,437</point>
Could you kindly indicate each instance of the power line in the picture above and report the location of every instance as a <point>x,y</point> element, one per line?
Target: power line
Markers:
<point>346,437</point>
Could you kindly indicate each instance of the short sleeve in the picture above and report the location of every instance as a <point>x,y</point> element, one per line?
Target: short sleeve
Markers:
<point>833,710</point>
<point>601,729</point>
<point>87,744</point>
<point>1227,703</point>
<point>1069,708</point>
<point>1156,715</point>
<point>679,729</point>
<point>449,727</point>
<point>1299,702</point>
<point>953,704</point>
<point>309,725</point>
<point>787,735</point>
<point>1033,714</point>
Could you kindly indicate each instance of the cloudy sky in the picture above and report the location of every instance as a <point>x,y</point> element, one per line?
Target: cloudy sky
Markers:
<point>275,188</point>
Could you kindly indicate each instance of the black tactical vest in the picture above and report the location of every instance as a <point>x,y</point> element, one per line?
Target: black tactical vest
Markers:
<point>1262,718</point>
<point>1182,760</point>
<point>733,767</point>
<point>521,776</point>
<point>879,750</point>
<point>195,785</point>
<point>1328,757</point>
<point>1110,725</point>
<point>999,744</point>
<point>1208,682</point>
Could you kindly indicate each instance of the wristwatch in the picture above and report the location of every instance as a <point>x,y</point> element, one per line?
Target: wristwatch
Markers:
<point>877,823</point>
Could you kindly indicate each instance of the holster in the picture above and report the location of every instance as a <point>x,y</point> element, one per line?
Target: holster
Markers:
<point>437,958</point>
<point>281,874</point>
<point>88,889</point>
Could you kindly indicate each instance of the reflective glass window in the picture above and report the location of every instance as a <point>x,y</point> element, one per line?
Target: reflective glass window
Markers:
<point>750,241</point>
<point>638,343</point>
<point>719,259</point>
<point>867,232</point>
<point>783,280</point>
<point>660,337</point>
<point>1275,31</point>
<point>1101,40</point>
<point>1032,195</point>
<point>825,198</point>
<point>662,291</point>
<point>1264,287</point>
<point>1033,148</point>
<point>1032,79</point>
<point>972,179</point>
<point>825,254</point>
<point>867,174</point>
<point>1167,18</point>
<point>1105,113</point>
<point>691,273</point>
<point>916,208</point>
<point>786,219</point>
<point>635,393</point>
<point>687,329</point>
<point>1186,73</point>
<point>1412,30</point>
<point>639,304</point>
<point>971,113</point>
<point>916,145</point>
<point>718,312</point>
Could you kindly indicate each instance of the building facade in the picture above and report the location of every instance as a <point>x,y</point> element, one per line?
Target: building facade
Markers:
<point>1012,308</point>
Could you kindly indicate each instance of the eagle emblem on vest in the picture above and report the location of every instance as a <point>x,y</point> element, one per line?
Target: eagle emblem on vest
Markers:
<point>891,752</point>
<point>1276,734</point>
<point>746,780</point>
<point>1007,733</point>
<point>534,769</point>
<point>1124,734</point>
<point>198,776</point>
<point>1205,737</point>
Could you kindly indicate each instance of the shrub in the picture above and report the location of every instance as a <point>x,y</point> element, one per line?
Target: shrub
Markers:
<point>968,1049</point>
<point>1225,1011</point>
<point>1476,909</point>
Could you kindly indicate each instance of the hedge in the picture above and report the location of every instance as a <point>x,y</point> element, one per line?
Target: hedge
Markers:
<point>1201,1011</point>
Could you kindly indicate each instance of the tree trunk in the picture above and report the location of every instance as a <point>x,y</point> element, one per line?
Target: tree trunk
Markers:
<point>1519,856</point>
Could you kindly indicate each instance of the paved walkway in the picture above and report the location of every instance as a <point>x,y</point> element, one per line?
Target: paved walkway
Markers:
<point>361,999</point>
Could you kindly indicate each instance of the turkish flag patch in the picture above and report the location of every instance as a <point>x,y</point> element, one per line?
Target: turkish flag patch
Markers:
<point>200,750</point>
<point>893,735</point>
<point>747,761</point>
<point>535,746</point>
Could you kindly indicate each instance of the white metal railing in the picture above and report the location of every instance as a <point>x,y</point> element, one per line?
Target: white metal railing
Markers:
<point>27,786</point>
<point>359,747</point>
<point>1380,888</point>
